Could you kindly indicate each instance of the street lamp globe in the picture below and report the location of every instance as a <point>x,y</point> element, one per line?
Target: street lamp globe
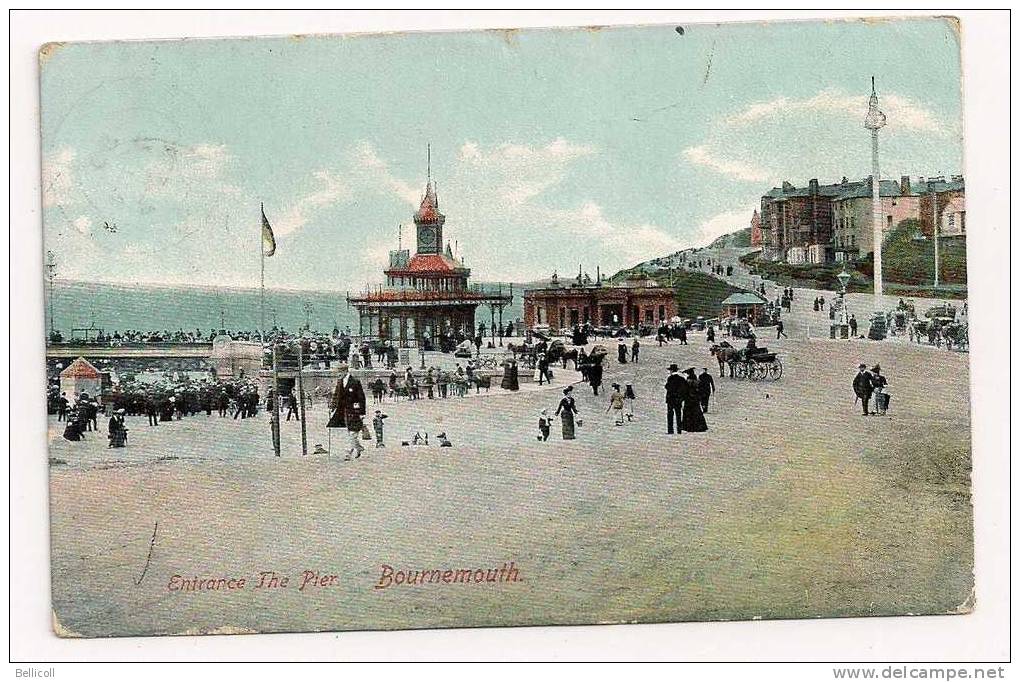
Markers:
<point>844,278</point>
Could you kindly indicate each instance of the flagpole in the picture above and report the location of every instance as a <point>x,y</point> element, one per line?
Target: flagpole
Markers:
<point>262,278</point>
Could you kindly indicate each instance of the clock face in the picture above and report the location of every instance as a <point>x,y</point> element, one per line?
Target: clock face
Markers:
<point>427,238</point>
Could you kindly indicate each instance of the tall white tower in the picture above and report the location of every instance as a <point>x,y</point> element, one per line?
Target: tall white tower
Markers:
<point>875,121</point>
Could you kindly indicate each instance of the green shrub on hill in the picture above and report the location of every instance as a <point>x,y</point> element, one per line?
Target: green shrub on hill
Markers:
<point>908,265</point>
<point>696,292</point>
<point>908,260</point>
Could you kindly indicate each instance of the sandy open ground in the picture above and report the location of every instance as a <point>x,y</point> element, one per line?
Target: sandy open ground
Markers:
<point>791,505</point>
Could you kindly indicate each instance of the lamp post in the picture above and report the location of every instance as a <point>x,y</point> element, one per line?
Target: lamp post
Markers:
<point>51,273</point>
<point>844,279</point>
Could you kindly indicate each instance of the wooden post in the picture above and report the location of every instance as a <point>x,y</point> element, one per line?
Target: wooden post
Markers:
<point>275,423</point>
<point>301,397</point>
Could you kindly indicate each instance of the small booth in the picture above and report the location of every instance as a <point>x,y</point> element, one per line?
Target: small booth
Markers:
<point>235,359</point>
<point>744,305</point>
<point>81,376</point>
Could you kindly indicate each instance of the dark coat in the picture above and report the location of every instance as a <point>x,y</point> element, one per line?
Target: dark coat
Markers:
<point>706,385</point>
<point>511,381</point>
<point>348,406</point>
<point>693,419</point>
<point>676,388</point>
<point>863,385</point>
<point>595,374</point>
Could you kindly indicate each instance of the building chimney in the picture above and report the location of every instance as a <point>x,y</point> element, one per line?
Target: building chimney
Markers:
<point>905,185</point>
<point>813,186</point>
<point>843,181</point>
<point>787,187</point>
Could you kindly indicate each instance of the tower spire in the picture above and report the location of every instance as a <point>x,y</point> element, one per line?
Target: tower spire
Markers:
<point>875,121</point>
<point>428,159</point>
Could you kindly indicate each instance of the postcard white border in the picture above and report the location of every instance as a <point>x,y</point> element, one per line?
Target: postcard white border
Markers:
<point>982,635</point>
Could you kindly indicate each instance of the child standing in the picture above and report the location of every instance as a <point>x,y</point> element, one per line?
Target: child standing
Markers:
<point>544,424</point>
<point>616,405</point>
<point>628,395</point>
<point>377,424</point>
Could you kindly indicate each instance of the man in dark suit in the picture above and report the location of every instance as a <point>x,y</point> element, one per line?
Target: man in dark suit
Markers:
<point>706,387</point>
<point>863,386</point>
<point>676,392</point>
<point>595,374</point>
<point>349,411</point>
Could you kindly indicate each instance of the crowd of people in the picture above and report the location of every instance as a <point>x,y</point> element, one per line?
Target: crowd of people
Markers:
<point>170,398</point>
<point>433,383</point>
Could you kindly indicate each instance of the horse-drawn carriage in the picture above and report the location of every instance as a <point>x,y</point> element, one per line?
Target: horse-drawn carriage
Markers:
<point>755,364</point>
<point>956,336</point>
<point>943,330</point>
<point>759,364</point>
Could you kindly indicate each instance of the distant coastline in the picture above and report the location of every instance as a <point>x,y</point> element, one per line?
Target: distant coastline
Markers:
<point>111,306</point>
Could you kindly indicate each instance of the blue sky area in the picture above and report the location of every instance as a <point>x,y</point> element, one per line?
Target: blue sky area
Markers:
<point>549,147</point>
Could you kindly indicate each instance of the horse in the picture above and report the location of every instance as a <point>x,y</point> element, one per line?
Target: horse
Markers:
<point>725,354</point>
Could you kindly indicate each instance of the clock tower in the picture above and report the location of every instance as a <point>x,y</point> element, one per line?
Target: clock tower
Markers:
<point>428,220</point>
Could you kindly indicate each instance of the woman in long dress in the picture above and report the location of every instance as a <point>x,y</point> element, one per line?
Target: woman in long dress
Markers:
<point>566,411</point>
<point>692,418</point>
<point>510,381</point>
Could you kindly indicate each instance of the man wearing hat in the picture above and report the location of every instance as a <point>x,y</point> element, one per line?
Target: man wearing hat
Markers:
<point>348,410</point>
<point>863,386</point>
<point>706,387</point>
<point>676,392</point>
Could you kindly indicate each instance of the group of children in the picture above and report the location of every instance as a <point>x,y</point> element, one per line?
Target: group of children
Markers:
<point>417,439</point>
<point>621,404</point>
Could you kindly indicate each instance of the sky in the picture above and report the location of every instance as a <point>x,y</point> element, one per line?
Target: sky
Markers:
<point>550,148</point>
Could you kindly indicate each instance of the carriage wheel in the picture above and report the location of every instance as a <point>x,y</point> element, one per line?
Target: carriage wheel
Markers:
<point>740,370</point>
<point>775,369</point>
<point>760,371</point>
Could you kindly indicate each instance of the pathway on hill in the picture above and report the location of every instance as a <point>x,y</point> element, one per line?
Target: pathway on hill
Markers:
<point>802,320</point>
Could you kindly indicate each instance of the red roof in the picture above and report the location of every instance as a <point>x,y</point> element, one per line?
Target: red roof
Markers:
<point>81,369</point>
<point>429,262</point>
<point>429,210</point>
<point>415,295</point>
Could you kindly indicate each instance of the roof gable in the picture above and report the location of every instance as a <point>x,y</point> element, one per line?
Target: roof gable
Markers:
<point>81,369</point>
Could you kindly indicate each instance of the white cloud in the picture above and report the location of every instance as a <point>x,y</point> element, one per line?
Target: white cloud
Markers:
<point>508,205</point>
<point>902,112</point>
<point>329,191</point>
<point>735,168</point>
<point>723,223</point>
<point>376,173</point>
<point>504,211</point>
<point>622,244</point>
<point>180,169</point>
<point>516,173</point>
